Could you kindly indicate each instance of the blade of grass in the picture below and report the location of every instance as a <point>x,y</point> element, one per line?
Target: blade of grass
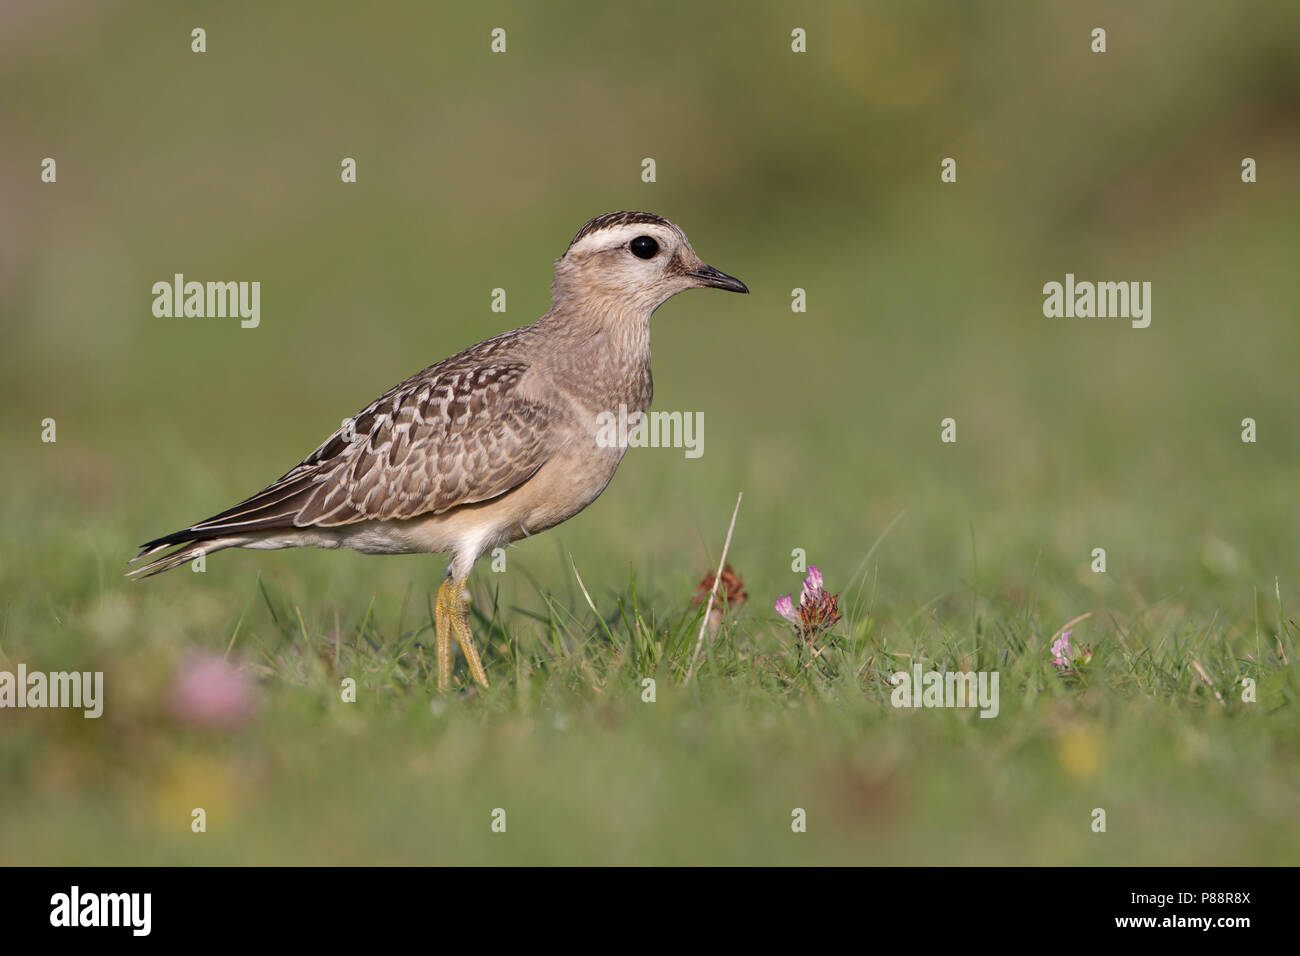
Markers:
<point>708,609</point>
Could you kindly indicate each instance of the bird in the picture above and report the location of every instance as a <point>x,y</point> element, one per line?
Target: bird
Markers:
<point>496,443</point>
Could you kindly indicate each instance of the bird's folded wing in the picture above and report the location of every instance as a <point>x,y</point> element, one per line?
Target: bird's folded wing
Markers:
<point>441,439</point>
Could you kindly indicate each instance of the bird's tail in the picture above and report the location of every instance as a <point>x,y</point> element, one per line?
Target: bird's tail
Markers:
<point>191,545</point>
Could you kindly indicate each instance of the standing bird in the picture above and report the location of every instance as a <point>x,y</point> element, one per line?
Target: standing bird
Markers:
<point>494,444</point>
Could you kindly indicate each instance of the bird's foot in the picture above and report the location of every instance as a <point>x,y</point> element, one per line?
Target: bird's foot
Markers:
<point>450,618</point>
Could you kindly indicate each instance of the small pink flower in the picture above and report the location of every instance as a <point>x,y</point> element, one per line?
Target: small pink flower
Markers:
<point>816,612</point>
<point>209,691</point>
<point>1061,650</point>
<point>1067,657</point>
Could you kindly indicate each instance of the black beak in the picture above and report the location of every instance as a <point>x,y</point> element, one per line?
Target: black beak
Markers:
<point>716,279</point>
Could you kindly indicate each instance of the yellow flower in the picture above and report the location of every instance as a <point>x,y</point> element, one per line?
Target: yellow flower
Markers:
<point>1078,752</point>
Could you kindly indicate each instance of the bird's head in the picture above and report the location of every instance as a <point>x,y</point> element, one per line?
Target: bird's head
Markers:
<point>634,260</point>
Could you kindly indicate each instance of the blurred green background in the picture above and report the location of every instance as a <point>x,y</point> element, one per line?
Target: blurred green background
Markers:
<point>818,171</point>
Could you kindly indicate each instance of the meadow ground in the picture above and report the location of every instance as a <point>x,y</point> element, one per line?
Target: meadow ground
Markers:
<point>969,562</point>
<point>924,302</point>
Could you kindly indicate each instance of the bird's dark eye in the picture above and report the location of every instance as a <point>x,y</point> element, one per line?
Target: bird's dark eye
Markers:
<point>643,247</point>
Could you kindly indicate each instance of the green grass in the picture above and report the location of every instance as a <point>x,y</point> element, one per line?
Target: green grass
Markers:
<point>817,171</point>
<point>589,772</point>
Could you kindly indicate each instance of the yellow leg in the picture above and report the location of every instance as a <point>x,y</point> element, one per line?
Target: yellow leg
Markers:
<point>442,623</point>
<point>449,616</point>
